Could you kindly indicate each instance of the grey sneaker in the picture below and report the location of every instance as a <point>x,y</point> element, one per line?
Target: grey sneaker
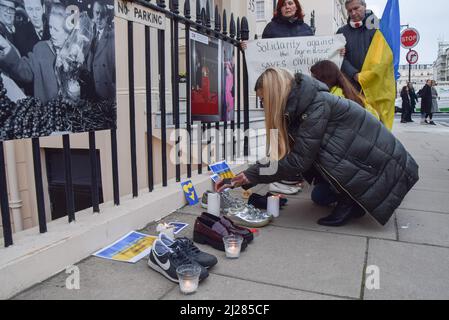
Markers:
<point>243,214</point>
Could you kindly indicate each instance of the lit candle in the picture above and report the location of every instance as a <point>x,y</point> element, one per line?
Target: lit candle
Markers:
<point>188,277</point>
<point>233,251</point>
<point>188,286</point>
<point>233,245</point>
<point>273,206</point>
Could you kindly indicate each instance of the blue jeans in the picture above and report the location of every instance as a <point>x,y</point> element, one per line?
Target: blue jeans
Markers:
<point>323,195</point>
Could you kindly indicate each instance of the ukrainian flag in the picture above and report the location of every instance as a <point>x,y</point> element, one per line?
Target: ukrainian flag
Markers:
<point>380,69</point>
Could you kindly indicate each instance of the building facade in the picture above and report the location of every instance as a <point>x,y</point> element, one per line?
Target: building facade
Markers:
<point>441,65</point>
<point>420,73</point>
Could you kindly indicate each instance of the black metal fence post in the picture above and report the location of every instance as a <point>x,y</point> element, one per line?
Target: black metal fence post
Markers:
<point>132,110</point>
<point>39,185</point>
<point>245,37</point>
<point>239,91</point>
<point>163,110</point>
<point>175,83</point>
<point>115,173</point>
<point>232,35</point>
<point>188,88</point>
<point>4,203</point>
<point>69,194</point>
<point>149,109</point>
<point>94,172</point>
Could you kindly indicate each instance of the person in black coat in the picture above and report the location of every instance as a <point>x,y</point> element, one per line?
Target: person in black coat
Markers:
<point>426,102</point>
<point>413,99</point>
<point>367,167</point>
<point>406,105</point>
<point>358,36</point>
<point>287,22</point>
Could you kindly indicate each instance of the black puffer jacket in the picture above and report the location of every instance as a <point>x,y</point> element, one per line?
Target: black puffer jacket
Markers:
<point>284,28</point>
<point>358,42</point>
<point>347,145</point>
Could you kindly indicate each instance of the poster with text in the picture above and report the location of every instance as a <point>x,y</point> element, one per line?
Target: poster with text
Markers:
<point>297,54</point>
<point>57,66</point>
<point>205,78</point>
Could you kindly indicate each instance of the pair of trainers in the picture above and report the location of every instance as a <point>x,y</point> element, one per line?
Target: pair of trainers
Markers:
<point>283,188</point>
<point>243,214</point>
<point>240,212</point>
<point>168,254</point>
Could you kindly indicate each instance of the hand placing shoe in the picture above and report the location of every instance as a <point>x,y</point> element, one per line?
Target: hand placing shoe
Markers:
<point>236,182</point>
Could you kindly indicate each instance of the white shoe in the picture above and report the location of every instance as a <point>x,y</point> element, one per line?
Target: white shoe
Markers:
<point>284,189</point>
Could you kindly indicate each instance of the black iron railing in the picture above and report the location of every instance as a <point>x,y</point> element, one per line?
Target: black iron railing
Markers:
<point>237,31</point>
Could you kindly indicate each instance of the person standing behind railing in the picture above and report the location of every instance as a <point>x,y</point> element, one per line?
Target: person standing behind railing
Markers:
<point>288,21</point>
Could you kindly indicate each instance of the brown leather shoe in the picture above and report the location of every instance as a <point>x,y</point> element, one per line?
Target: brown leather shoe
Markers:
<point>209,232</point>
<point>228,224</point>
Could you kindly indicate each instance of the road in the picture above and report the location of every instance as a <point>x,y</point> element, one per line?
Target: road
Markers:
<point>439,118</point>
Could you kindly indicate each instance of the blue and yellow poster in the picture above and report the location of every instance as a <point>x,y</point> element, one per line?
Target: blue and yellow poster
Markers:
<point>131,248</point>
<point>222,169</point>
<point>190,193</point>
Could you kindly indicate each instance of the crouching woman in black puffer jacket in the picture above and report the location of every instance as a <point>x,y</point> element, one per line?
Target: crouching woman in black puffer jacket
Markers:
<point>322,136</point>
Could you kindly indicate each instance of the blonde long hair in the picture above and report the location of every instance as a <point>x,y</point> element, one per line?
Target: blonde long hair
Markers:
<point>276,85</point>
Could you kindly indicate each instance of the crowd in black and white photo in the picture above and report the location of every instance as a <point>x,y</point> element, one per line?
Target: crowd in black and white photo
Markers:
<point>59,52</point>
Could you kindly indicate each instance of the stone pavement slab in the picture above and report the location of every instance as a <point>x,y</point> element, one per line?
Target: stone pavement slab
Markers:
<point>423,227</point>
<point>303,214</point>
<point>409,271</point>
<point>217,287</point>
<point>428,184</point>
<point>104,280</point>
<point>299,259</point>
<point>429,201</point>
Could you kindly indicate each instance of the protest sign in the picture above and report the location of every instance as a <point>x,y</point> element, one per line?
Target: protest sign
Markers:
<point>296,54</point>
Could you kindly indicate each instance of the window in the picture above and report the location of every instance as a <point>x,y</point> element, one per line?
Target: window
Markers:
<point>260,10</point>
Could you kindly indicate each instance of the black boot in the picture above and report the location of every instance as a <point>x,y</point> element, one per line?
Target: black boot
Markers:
<point>346,209</point>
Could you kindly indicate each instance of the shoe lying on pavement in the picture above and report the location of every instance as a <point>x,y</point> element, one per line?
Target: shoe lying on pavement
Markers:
<point>244,214</point>
<point>261,202</point>
<point>165,261</point>
<point>230,226</point>
<point>209,232</point>
<point>283,201</point>
<point>284,189</point>
<point>187,246</point>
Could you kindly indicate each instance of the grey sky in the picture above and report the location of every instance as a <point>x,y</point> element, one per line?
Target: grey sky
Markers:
<point>430,18</point>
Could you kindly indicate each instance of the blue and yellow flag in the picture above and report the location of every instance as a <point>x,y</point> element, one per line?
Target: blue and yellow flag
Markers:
<point>380,69</point>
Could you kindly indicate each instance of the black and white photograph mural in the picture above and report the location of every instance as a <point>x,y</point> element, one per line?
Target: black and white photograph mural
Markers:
<point>57,65</point>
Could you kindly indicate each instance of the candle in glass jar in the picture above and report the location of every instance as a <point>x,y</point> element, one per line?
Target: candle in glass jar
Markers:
<point>188,286</point>
<point>188,277</point>
<point>233,251</point>
<point>233,245</point>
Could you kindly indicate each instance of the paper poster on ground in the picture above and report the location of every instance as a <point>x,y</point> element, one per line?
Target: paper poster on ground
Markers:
<point>131,248</point>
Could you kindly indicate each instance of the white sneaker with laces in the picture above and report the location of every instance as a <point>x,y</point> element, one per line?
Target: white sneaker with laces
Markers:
<point>284,189</point>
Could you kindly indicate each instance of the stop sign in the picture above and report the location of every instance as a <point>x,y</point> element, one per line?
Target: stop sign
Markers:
<point>409,38</point>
